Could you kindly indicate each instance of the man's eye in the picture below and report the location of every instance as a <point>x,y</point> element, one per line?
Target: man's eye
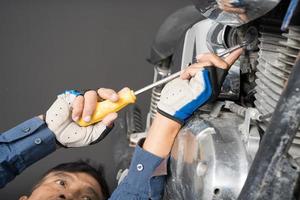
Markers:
<point>61,182</point>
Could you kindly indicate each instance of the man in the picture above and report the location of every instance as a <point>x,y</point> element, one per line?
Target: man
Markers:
<point>74,180</point>
<point>34,139</point>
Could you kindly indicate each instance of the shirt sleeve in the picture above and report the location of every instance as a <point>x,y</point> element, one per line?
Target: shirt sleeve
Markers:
<point>22,146</point>
<point>145,179</point>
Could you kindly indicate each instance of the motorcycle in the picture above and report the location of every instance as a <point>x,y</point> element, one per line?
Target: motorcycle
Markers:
<point>246,145</point>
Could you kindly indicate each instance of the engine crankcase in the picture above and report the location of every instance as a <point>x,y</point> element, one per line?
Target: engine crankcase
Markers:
<point>208,160</point>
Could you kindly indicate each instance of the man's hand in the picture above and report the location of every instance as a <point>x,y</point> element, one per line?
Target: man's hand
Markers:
<point>70,107</point>
<point>182,96</point>
<point>84,106</point>
<point>198,84</point>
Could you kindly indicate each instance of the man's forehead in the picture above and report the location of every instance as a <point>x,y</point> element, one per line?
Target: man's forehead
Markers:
<point>70,175</point>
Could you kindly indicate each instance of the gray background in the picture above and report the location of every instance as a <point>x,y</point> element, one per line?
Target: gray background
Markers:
<point>47,46</point>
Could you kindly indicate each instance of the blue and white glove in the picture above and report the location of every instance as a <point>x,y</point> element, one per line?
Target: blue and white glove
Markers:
<point>181,98</point>
<point>67,132</point>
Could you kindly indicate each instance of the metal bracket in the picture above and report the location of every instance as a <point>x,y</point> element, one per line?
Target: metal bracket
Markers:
<point>135,137</point>
<point>248,113</point>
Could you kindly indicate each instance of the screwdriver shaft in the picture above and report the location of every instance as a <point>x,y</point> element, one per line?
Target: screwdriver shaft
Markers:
<point>167,79</point>
<point>177,74</point>
<point>223,53</point>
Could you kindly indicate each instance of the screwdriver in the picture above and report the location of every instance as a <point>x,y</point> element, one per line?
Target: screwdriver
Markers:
<point>103,108</point>
<point>127,97</point>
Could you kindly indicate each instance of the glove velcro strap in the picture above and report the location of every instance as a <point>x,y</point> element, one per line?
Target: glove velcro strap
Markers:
<point>59,145</point>
<point>217,76</point>
<point>77,92</point>
<point>170,116</point>
<point>104,134</point>
<point>74,92</point>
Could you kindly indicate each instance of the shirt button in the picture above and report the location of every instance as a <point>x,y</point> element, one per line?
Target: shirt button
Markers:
<point>26,130</point>
<point>38,141</point>
<point>140,167</point>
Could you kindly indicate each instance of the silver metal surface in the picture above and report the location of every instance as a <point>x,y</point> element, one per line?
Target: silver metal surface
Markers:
<point>251,114</point>
<point>165,80</point>
<point>274,67</point>
<point>253,141</point>
<point>177,74</point>
<point>195,41</point>
<point>235,12</point>
<point>208,160</point>
<point>215,39</point>
<point>231,49</point>
<point>206,36</point>
<point>159,74</point>
<point>277,55</point>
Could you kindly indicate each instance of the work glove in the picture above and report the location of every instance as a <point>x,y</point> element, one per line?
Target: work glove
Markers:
<point>199,84</point>
<point>68,133</point>
<point>180,98</point>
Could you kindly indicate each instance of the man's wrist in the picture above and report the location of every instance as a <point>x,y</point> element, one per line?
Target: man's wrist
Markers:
<point>41,117</point>
<point>161,136</point>
<point>167,122</point>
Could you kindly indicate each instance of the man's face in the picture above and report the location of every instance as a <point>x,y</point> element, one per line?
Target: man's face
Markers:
<point>65,185</point>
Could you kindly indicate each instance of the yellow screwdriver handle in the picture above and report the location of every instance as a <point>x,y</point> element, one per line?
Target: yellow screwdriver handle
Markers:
<point>103,108</point>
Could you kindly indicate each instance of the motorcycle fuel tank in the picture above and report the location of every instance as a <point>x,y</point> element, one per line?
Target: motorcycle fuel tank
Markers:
<point>234,12</point>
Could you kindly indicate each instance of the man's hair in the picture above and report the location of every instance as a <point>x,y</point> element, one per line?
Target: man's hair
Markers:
<point>84,166</point>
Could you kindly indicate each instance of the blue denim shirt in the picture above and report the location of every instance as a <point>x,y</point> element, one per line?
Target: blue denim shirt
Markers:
<point>30,141</point>
<point>145,179</point>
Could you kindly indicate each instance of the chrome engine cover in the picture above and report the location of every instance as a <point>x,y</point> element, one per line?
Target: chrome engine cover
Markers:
<point>208,160</point>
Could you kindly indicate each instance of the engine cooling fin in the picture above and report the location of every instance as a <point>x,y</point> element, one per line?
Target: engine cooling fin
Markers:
<point>277,56</point>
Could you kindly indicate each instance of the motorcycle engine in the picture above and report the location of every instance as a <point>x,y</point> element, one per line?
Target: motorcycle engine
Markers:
<point>215,149</point>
